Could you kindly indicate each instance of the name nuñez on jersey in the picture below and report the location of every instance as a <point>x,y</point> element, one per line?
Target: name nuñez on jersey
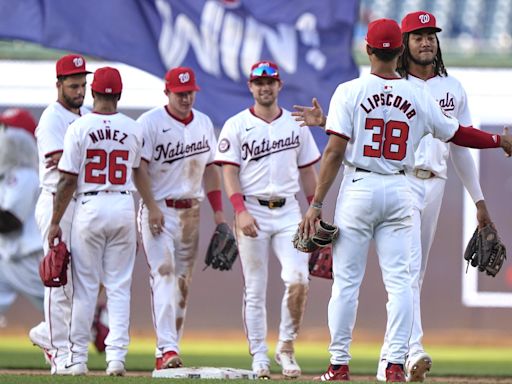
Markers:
<point>176,151</point>
<point>108,134</point>
<point>390,100</point>
<point>267,147</point>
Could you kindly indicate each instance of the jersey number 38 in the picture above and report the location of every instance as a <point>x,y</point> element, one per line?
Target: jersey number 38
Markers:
<point>389,138</point>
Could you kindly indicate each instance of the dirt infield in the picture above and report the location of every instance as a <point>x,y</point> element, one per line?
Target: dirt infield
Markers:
<point>359,378</point>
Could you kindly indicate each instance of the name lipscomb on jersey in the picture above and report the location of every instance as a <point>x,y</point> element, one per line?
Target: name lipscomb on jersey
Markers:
<point>391,100</point>
<point>267,147</point>
<point>171,152</point>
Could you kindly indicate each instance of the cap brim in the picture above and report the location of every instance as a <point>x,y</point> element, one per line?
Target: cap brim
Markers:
<point>183,89</point>
<point>435,29</point>
<point>79,72</point>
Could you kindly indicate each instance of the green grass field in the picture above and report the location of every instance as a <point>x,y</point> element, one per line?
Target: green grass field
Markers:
<point>472,363</point>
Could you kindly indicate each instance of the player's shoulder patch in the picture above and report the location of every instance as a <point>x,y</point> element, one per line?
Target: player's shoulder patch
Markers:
<point>224,145</point>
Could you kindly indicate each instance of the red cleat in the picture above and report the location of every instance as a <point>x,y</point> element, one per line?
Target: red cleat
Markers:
<point>171,359</point>
<point>100,327</point>
<point>340,374</point>
<point>395,374</point>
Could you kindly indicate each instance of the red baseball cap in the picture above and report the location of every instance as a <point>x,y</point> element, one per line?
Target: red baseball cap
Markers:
<point>264,69</point>
<point>181,79</point>
<point>71,65</point>
<point>384,34</point>
<point>107,80</point>
<point>419,20</point>
<point>18,118</point>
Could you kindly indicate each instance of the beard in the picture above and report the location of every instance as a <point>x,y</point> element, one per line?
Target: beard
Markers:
<point>423,62</point>
<point>73,103</point>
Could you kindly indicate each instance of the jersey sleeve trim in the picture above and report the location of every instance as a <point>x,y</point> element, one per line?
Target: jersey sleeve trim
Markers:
<point>53,153</point>
<point>310,163</point>
<point>329,132</point>
<point>222,162</point>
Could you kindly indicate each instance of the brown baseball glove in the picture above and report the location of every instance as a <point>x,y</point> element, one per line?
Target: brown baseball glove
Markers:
<point>53,267</point>
<point>485,251</point>
<point>325,234</point>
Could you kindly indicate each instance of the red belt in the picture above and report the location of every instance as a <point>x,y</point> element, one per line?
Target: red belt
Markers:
<point>180,204</point>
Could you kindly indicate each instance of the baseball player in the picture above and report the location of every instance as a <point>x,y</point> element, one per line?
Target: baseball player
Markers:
<point>177,157</point>
<point>20,241</point>
<point>376,123</point>
<point>53,124</point>
<point>422,64</point>
<point>263,152</point>
<point>101,149</point>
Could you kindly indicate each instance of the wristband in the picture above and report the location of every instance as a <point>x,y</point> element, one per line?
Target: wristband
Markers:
<point>215,199</point>
<point>317,204</point>
<point>237,200</point>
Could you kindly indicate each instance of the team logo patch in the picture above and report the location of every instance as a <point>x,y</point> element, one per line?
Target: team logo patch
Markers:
<point>184,77</point>
<point>78,62</point>
<point>424,19</point>
<point>224,145</point>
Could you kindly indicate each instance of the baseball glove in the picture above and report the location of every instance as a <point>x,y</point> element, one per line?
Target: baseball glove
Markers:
<point>320,262</point>
<point>223,250</point>
<point>324,235</point>
<point>53,267</point>
<point>485,251</point>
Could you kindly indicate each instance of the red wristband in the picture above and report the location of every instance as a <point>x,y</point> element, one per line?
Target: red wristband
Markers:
<point>310,198</point>
<point>215,199</point>
<point>237,200</point>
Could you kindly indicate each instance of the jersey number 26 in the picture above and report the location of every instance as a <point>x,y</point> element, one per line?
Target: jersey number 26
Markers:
<point>103,164</point>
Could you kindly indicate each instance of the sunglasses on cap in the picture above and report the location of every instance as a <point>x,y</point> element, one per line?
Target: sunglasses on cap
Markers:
<point>264,71</point>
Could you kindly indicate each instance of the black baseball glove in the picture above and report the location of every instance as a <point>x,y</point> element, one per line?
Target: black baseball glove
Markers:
<point>223,250</point>
<point>485,250</point>
<point>324,235</point>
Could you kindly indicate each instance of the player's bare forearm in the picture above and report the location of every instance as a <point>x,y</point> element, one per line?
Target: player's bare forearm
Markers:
<point>309,178</point>
<point>231,179</point>
<point>143,184</point>
<point>212,178</point>
<point>65,189</point>
<point>482,215</point>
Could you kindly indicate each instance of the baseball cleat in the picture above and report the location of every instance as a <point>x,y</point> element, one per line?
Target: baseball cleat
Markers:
<point>115,368</point>
<point>286,360</point>
<point>335,373</point>
<point>395,374</point>
<point>261,369</point>
<point>381,370</point>
<point>171,359</point>
<point>158,363</point>
<point>36,337</point>
<point>417,366</point>
<point>100,327</point>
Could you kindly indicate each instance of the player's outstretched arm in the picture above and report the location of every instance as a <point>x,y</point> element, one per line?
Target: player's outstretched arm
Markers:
<point>143,184</point>
<point>213,184</point>
<point>310,116</point>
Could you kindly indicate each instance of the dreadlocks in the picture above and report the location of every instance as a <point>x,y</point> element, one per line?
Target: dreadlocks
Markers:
<point>403,61</point>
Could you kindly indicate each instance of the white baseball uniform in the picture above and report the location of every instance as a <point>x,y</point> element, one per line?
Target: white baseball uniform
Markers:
<point>177,156</point>
<point>383,121</point>
<point>20,250</point>
<point>50,132</point>
<point>102,149</point>
<point>428,179</point>
<point>269,155</point>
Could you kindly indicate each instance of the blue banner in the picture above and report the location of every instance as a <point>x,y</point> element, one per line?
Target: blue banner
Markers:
<point>311,41</point>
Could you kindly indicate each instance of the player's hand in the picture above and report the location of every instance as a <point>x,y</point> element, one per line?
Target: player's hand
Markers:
<point>309,116</point>
<point>506,142</point>
<point>307,225</point>
<point>54,233</point>
<point>247,223</point>
<point>155,220</point>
